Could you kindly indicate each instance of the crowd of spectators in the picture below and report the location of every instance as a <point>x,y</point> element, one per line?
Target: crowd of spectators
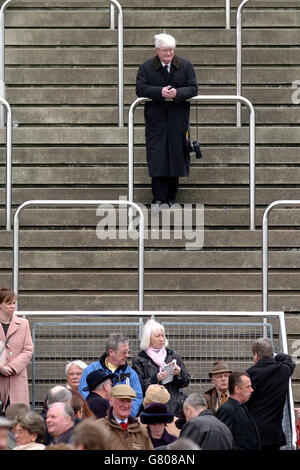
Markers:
<point>109,405</point>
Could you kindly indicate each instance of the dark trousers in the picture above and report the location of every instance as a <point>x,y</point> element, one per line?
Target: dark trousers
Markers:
<point>164,188</point>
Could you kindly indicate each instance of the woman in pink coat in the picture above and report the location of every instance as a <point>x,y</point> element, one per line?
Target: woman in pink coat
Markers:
<point>16,350</point>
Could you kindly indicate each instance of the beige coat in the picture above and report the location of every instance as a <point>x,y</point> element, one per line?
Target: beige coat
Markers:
<point>17,355</point>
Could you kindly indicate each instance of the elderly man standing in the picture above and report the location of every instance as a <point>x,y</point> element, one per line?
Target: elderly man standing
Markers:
<point>169,81</point>
<point>218,395</point>
<point>114,361</point>
<point>124,430</point>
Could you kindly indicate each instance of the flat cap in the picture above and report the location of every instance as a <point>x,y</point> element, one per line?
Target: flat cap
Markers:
<point>123,391</point>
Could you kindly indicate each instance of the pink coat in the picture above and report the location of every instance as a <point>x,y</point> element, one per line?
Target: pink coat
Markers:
<point>18,353</point>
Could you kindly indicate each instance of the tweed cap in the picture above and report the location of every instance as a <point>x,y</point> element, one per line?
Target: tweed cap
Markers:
<point>123,391</point>
<point>156,393</point>
<point>219,367</point>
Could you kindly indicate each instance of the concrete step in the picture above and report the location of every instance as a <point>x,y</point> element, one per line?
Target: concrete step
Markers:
<point>184,37</point>
<point>191,17</point>
<point>108,115</point>
<point>118,155</point>
<point>119,176</point>
<point>134,56</point>
<point>206,75</point>
<point>118,136</point>
<point>103,95</point>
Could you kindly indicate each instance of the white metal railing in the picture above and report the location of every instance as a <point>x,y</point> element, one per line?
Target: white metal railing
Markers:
<point>73,203</point>
<point>239,61</point>
<point>113,4</point>
<point>8,184</point>
<point>227,14</point>
<point>265,242</point>
<point>2,59</point>
<point>227,98</point>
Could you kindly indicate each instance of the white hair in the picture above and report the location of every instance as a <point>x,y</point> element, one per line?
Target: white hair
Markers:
<point>150,327</point>
<point>164,40</point>
<point>82,365</point>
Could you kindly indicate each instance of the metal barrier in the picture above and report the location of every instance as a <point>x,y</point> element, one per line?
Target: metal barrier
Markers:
<point>8,184</point>
<point>114,3</point>
<point>2,59</point>
<point>74,203</point>
<point>227,13</point>
<point>201,338</point>
<point>265,242</point>
<point>229,98</point>
<point>239,61</point>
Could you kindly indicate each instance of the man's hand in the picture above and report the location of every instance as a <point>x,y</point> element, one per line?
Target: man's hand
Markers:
<point>168,92</point>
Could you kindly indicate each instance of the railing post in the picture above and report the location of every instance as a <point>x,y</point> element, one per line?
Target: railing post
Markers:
<point>2,59</point>
<point>239,61</point>
<point>4,104</point>
<point>73,203</point>
<point>231,98</point>
<point>120,57</point>
<point>265,243</point>
<point>228,14</point>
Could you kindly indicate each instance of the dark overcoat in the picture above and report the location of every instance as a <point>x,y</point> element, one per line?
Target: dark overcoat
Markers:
<point>241,424</point>
<point>147,371</point>
<point>270,383</point>
<point>166,121</point>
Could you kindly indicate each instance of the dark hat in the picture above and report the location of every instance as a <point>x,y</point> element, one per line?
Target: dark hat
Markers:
<point>219,367</point>
<point>95,378</point>
<point>156,413</point>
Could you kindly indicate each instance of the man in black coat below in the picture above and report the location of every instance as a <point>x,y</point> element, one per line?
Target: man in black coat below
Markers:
<point>236,416</point>
<point>169,81</point>
<point>202,427</point>
<point>99,384</point>
<point>270,378</point>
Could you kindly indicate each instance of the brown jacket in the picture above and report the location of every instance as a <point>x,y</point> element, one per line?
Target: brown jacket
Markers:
<point>17,355</point>
<point>134,438</point>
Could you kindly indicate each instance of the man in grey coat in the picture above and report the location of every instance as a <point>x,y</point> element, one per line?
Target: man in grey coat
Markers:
<point>203,427</point>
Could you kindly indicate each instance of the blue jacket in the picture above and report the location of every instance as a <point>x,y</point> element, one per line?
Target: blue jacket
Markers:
<point>121,373</point>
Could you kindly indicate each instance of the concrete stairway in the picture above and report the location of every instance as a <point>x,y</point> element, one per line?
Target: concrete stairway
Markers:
<point>61,80</point>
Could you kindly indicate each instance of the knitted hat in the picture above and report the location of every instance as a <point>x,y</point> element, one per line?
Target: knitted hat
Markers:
<point>156,393</point>
<point>156,413</point>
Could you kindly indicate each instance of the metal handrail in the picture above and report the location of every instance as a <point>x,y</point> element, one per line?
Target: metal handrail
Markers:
<point>2,59</point>
<point>4,103</point>
<point>201,98</point>
<point>239,61</point>
<point>265,242</point>
<point>120,58</point>
<point>74,203</point>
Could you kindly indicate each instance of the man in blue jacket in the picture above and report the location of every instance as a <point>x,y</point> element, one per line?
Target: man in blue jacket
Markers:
<point>114,361</point>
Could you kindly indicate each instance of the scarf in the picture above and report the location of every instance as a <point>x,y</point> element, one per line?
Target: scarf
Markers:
<point>158,356</point>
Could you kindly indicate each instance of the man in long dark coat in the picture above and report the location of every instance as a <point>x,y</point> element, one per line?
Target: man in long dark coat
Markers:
<point>169,81</point>
<point>270,378</point>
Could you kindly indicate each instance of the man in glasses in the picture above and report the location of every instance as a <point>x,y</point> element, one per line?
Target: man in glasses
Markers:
<point>169,81</point>
<point>114,363</point>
